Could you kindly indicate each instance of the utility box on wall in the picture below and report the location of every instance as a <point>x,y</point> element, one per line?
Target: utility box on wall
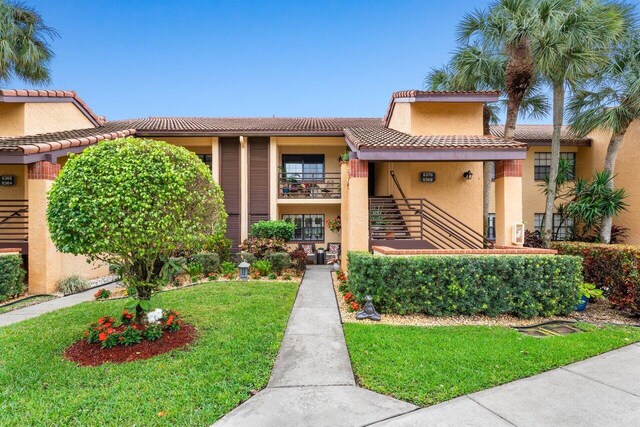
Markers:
<point>517,237</point>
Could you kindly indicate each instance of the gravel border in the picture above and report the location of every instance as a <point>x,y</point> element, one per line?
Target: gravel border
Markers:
<point>599,313</point>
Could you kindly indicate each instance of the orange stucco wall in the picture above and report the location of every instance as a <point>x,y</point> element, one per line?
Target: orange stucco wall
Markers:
<point>19,191</point>
<point>401,117</point>
<point>458,196</point>
<point>11,119</point>
<point>446,118</point>
<point>53,117</point>
<point>437,118</point>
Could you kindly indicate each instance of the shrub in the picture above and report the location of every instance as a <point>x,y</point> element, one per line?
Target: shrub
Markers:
<point>72,284</point>
<point>533,239</point>
<point>134,202</point>
<point>218,244</point>
<point>612,268</point>
<point>209,261</point>
<point>102,294</point>
<point>11,276</point>
<point>282,230</point>
<point>153,332</point>
<point>520,285</point>
<point>272,276</point>
<point>261,247</point>
<point>174,268</point>
<point>228,269</point>
<point>279,261</point>
<point>194,271</point>
<point>246,256</point>
<point>299,260</point>
<point>263,267</point>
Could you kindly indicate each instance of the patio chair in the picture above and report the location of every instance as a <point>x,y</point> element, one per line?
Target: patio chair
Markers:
<point>333,252</point>
<point>310,250</point>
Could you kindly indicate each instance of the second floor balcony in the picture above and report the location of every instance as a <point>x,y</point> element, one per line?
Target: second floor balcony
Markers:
<point>315,185</point>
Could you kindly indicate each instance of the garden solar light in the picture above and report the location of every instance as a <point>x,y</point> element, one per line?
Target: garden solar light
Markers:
<point>244,270</point>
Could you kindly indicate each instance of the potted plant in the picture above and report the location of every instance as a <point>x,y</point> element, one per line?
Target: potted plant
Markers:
<point>344,157</point>
<point>335,225</point>
<point>587,292</point>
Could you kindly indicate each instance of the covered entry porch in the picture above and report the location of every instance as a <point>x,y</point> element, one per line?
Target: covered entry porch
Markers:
<point>426,192</point>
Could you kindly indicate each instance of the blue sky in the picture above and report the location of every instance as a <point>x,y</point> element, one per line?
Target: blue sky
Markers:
<point>247,58</point>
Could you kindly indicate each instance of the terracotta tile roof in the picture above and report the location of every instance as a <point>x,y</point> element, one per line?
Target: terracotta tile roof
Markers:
<point>250,125</point>
<point>444,93</point>
<point>363,138</point>
<point>54,94</point>
<point>176,125</point>
<point>41,143</point>
<point>436,95</point>
<point>541,134</point>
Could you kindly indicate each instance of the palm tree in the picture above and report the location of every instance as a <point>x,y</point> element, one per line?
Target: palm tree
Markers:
<point>505,29</point>
<point>473,68</point>
<point>571,43</point>
<point>24,44</point>
<point>610,101</point>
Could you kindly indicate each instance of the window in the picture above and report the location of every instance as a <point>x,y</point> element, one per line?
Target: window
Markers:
<point>206,159</point>
<point>491,227</point>
<point>309,228</point>
<point>307,167</point>
<point>542,165</point>
<point>562,227</point>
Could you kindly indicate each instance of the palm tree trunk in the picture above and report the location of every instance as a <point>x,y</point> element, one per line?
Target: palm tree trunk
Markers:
<point>518,79</point>
<point>609,165</point>
<point>487,174</point>
<point>558,113</point>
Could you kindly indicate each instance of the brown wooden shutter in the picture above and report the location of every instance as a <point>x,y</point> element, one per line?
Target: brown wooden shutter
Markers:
<point>258,179</point>
<point>230,183</point>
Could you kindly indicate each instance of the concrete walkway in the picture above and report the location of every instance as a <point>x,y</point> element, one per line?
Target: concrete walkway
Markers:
<point>312,383</point>
<point>36,310</point>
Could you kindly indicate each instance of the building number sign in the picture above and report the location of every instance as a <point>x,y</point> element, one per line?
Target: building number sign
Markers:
<point>427,177</point>
<point>7,180</point>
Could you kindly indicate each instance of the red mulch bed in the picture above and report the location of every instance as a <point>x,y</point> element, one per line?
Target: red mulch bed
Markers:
<point>85,354</point>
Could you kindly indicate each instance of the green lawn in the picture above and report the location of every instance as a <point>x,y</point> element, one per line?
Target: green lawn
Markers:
<point>241,326</point>
<point>426,366</point>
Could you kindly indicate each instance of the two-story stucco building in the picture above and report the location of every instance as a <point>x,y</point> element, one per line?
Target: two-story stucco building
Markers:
<point>413,179</point>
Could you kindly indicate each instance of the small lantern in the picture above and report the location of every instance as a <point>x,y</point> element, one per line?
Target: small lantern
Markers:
<point>244,270</point>
<point>468,175</point>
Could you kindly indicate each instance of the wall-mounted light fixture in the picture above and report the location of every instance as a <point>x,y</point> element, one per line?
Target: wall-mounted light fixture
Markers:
<point>468,175</point>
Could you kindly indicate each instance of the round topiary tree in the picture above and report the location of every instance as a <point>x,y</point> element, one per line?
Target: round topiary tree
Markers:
<point>134,202</point>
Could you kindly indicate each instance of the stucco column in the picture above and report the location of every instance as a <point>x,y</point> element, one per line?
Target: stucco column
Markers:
<point>358,206</point>
<point>344,213</point>
<point>508,194</point>
<point>44,259</point>
<point>274,177</point>
<point>244,187</point>
<point>215,159</point>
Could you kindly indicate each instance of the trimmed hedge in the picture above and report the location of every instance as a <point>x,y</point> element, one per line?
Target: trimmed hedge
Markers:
<point>520,285</point>
<point>612,268</point>
<point>11,276</point>
<point>279,261</point>
<point>209,261</point>
<point>282,230</point>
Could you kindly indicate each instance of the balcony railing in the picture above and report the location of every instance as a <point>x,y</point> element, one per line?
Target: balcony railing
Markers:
<point>14,221</point>
<point>324,185</point>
